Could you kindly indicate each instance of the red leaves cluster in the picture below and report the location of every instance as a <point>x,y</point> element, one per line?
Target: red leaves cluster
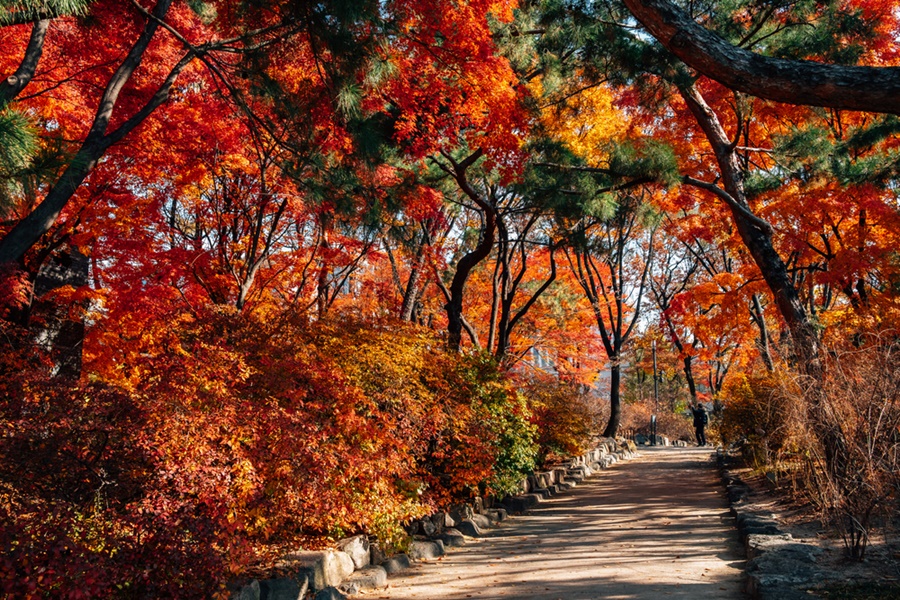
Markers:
<point>237,433</point>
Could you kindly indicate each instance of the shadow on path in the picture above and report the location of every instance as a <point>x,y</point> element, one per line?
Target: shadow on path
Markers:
<point>656,526</point>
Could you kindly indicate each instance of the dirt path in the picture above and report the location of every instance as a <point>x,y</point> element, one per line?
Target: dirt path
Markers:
<point>652,527</point>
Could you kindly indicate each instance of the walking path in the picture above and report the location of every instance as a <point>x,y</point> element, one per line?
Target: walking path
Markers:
<point>656,526</point>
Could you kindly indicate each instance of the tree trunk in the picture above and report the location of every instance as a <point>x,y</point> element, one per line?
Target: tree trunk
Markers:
<point>615,404</point>
<point>411,294</point>
<point>467,263</point>
<point>756,312</point>
<point>755,233</point>
<point>27,232</point>
<point>15,83</point>
<point>689,377</point>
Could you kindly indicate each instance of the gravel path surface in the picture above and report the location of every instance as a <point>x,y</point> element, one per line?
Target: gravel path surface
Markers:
<point>656,526</point>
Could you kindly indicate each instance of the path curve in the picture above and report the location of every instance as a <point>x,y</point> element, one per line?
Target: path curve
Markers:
<point>656,526</point>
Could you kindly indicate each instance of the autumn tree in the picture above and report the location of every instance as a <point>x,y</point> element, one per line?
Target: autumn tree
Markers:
<point>611,259</point>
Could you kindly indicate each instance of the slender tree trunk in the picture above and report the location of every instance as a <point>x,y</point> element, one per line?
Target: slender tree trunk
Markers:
<point>615,403</point>
<point>689,377</point>
<point>467,263</point>
<point>756,312</point>
<point>15,83</point>
<point>411,294</point>
<point>27,232</point>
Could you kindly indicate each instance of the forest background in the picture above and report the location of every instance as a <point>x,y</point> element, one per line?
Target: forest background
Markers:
<point>276,272</point>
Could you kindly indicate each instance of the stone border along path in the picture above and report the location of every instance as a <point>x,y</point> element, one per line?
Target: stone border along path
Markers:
<point>779,567</point>
<point>658,527</point>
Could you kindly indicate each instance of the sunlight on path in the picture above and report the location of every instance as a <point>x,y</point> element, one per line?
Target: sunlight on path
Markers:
<point>653,527</point>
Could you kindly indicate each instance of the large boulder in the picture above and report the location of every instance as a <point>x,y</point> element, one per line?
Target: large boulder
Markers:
<point>426,549</point>
<point>283,588</point>
<point>460,512</point>
<point>452,538</point>
<point>367,578</point>
<point>330,593</point>
<point>357,547</point>
<point>326,568</point>
<point>395,564</point>
<point>521,503</point>
<point>496,515</point>
<point>469,528</point>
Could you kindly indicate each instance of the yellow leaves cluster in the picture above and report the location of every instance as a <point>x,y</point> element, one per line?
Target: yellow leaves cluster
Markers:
<point>585,120</point>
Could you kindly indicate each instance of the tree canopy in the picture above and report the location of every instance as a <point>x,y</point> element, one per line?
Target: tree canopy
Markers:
<point>273,273</point>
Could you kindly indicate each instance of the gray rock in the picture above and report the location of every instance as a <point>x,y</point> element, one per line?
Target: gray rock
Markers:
<point>758,543</point>
<point>248,592</point>
<point>469,528</point>
<point>439,520</point>
<point>324,569</point>
<point>582,469</point>
<point>496,515</point>
<point>544,493</point>
<point>750,523</point>
<point>780,578</point>
<point>357,547</point>
<point>542,479</point>
<point>376,554</point>
<point>367,578</point>
<point>521,503</point>
<point>395,564</point>
<point>461,511</point>
<point>428,528</point>
<point>483,521</point>
<point>330,593</point>
<point>559,474</point>
<point>478,505</point>
<point>452,538</point>
<point>781,548</point>
<point>426,549</point>
<point>283,589</point>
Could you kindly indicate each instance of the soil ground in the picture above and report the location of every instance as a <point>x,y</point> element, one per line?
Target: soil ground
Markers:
<point>656,526</point>
<point>877,577</point>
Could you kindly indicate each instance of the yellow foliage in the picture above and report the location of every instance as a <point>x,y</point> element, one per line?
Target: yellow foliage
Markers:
<point>585,122</point>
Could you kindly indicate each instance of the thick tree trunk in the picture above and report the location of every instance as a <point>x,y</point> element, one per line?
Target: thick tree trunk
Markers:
<point>755,233</point>
<point>874,89</point>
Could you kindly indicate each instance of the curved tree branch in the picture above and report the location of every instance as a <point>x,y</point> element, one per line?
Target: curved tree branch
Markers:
<point>873,89</point>
<point>15,83</point>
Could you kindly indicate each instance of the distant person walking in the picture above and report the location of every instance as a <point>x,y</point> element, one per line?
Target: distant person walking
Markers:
<point>701,419</point>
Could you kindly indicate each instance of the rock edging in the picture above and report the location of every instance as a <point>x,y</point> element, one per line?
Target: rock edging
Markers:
<point>778,566</point>
<point>356,565</point>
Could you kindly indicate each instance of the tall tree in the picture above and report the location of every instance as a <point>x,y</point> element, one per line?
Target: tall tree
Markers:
<point>611,259</point>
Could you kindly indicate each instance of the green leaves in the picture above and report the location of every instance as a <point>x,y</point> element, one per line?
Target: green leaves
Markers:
<point>15,12</point>
<point>18,142</point>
